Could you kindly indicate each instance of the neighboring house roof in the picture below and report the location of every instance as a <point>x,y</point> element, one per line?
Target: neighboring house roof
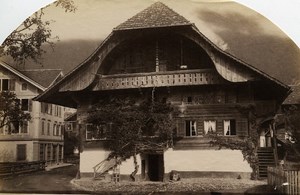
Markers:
<point>294,97</point>
<point>18,73</point>
<point>45,77</point>
<point>157,15</point>
<point>41,78</point>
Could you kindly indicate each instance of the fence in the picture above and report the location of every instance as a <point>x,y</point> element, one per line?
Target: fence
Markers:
<point>11,168</point>
<point>285,181</point>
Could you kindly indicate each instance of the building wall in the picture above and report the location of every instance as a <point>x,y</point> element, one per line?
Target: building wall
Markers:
<point>8,150</point>
<point>193,161</point>
<point>8,142</point>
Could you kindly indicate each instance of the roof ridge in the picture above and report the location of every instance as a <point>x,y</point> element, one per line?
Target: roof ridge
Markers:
<point>156,15</point>
<point>46,69</point>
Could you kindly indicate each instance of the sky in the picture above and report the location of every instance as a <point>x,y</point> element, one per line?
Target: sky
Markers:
<point>285,14</point>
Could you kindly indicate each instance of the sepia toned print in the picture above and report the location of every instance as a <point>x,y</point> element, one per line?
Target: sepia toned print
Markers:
<point>152,97</point>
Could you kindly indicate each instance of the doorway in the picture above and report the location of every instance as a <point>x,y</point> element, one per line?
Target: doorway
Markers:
<point>156,167</point>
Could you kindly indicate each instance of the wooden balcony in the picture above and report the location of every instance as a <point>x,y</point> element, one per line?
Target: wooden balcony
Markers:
<point>158,79</point>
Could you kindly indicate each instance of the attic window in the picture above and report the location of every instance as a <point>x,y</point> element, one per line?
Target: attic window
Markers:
<point>24,87</point>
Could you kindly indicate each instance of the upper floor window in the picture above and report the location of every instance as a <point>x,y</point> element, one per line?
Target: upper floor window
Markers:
<point>229,127</point>
<point>48,128</point>
<point>210,126</point>
<point>24,87</point>
<point>46,108</point>
<point>190,128</point>
<point>43,127</point>
<point>7,84</point>
<point>19,127</point>
<point>25,104</point>
<point>54,129</point>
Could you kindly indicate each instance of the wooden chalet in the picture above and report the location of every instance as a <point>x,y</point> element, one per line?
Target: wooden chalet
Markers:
<point>158,48</point>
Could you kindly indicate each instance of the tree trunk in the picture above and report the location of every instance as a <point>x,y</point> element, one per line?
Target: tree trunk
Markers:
<point>136,166</point>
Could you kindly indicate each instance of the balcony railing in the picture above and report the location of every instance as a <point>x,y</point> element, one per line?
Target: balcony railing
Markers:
<point>158,79</point>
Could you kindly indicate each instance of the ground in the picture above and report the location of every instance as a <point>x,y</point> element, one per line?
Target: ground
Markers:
<point>52,181</point>
<point>191,186</point>
<point>62,180</point>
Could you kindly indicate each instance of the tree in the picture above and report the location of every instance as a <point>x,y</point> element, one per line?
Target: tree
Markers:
<point>133,126</point>
<point>26,41</point>
<point>292,127</point>
<point>11,113</point>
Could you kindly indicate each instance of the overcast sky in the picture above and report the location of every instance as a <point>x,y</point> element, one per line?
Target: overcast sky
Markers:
<point>283,13</point>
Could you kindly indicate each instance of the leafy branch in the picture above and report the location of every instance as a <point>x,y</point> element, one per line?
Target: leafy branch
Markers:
<point>26,41</point>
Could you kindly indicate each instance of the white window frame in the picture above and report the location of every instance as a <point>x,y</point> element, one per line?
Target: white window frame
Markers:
<point>210,126</point>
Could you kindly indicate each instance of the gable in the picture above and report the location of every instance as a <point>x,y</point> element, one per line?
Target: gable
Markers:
<point>85,76</point>
<point>155,16</point>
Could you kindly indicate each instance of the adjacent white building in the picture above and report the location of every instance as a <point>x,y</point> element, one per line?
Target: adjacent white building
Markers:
<point>40,139</point>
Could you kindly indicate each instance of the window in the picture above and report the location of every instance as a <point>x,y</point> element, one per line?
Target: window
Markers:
<point>46,108</point>
<point>190,128</point>
<point>229,127</point>
<point>54,129</point>
<point>7,84</point>
<point>24,87</point>
<point>25,104</point>
<point>17,127</point>
<point>24,127</point>
<point>189,99</point>
<point>58,130</point>
<point>70,126</point>
<point>48,128</point>
<point>49,109</point>
<point>95,132</point>
<point>21,152</point>
<point>43,127</point>
<point>209,126</point>
<point>42,152</point>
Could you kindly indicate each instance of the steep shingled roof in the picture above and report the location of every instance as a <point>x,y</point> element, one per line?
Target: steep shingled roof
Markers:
<point>44,77</point>
<point>157,15</point>
<point>294,97</point>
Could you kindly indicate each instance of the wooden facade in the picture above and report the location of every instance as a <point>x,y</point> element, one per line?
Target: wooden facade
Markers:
<point>207,85</point>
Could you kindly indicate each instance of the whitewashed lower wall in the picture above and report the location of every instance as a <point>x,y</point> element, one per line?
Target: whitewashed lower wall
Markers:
<point>180,160</point>
<point>90,158</point>
<point>205,160</point>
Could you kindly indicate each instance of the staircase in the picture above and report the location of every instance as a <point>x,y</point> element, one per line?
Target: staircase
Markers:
<point>101,169</point>
<point>265,159</point>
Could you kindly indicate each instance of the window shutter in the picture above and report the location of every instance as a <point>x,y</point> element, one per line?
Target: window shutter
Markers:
<point>242,127</point>
<point>29,105</point>
<point>21,152</point>
<point>12,85</point>
<point>180,128</point>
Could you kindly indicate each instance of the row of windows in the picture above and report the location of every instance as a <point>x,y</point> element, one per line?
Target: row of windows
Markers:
<point>10,85</point>
<point>51,109</point>
<point>210,126</point>
<point>98,132</point>
<point>57,128</point>
<point>15,128</point>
